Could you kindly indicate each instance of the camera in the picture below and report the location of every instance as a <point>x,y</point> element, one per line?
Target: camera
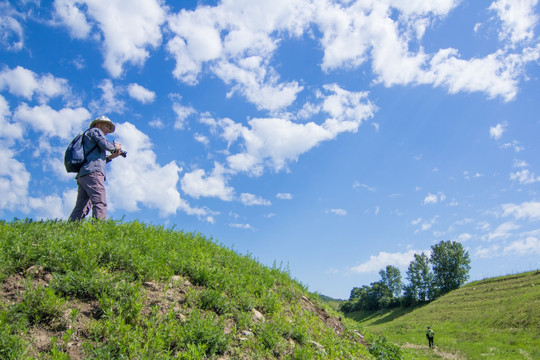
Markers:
<point>122,153</point>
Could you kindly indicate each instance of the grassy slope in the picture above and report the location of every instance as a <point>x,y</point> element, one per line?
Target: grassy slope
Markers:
<point>496,318</point>
<point>105,290</point>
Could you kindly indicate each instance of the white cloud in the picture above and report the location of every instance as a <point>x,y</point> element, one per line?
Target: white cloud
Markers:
<point>70,13</point>
<point>14,181</point>
<point>464,237</point>
<point>11,30</point>
<point>527,210</point>
<point>527,246</point>
<point>496,132</point>
<point>26,83</point>
<point>182,114</point>
<point>157,123</point>
<point>252,80</point>
<point>8,131</point>
<point>275,141</point>
<point>141,93</point>
<point>128,27</point>
<point>518,17</point>
<point>524,176</point>
<point>380,261</point>
<point>202,139</point>
<point>503,231</point>
<point>250,200</point>
<point>424,224</point>
<point>284,196</point>
<point>197,184</point>
<point>139,179</point>
<point>339,212</point>
<point>357,185</point>
<point>64,123</point>
<point>241,226</point>
<point>238,40</point>
<point>431,199</point>
<point>482,252</point>
<point>109,102</point>
<point>513,145</point>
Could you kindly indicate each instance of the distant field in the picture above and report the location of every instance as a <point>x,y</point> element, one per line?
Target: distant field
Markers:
<point>497,318</point>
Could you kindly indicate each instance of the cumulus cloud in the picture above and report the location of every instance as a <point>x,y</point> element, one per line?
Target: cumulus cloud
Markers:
<point>275,141</point>
<point>503,231</point>
<point>64,123</point>
<point>238,42</point>
<point>182,114</point>
<point>8,131</point>
<point>26,83</point>
<point>518,18</point>
<point>380,261</point>
<point>11,30</point>
<point>527,210</point>
<point>14,181</point>
<point>251,199</point>
<point>284,196</point>
<point>431,199</point>
<point>139,179</point>
<point>141,93</point>
<point>71,14</point>
<point>109,101</point>
<point>339,212</point>
<point>198,184</point>
<point>128,27</point>
<point>496,132</point>
<point>524,176</point>
<point>529,245</point>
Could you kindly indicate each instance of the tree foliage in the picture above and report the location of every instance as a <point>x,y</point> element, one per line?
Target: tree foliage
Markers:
<point>420,288</point>
<point>391,276</point>
<point>446,269</point>
<point>451,266</point>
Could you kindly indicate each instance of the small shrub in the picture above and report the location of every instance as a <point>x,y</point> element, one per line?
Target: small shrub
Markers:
<point>215,301</point>
<point>381,349</point>
<point>204,331</point>
<point>11,345</point>
<point>40,305</point>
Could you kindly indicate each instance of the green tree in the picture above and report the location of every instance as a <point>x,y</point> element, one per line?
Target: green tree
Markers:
<point>391,276</point>
<point>451,266</point>
<point>420,277</point>
<point>379,296</point>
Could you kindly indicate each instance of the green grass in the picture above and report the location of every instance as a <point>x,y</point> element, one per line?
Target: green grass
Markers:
<point>114,290</point>
<point>496,318</point>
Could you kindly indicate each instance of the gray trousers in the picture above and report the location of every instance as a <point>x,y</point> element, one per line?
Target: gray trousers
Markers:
<point>91,193</point>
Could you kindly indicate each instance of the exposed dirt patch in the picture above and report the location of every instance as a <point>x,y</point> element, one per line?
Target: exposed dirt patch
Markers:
<point>331,321</point>
<point>436,350</point>
<point>70,331</point>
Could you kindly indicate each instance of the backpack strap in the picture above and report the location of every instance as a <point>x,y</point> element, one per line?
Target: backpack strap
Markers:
<point>82,143</point>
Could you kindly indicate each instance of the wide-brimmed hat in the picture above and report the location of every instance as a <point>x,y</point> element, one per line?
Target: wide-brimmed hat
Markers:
<point>103,119</point>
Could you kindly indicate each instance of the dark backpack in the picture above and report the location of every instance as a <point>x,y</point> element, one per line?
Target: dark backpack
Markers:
<point>75,156</point>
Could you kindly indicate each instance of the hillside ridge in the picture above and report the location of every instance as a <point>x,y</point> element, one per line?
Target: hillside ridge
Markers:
<point>111,289</point>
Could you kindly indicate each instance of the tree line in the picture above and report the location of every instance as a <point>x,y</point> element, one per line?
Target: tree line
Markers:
<point>446,269</point>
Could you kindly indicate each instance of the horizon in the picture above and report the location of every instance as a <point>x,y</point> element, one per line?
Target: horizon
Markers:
<point>332,138</point>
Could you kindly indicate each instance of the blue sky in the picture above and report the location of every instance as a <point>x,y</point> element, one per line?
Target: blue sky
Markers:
<point>330,137</point>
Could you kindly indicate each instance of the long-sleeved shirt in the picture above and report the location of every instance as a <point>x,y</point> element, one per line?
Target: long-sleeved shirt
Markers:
<point>97,158</point>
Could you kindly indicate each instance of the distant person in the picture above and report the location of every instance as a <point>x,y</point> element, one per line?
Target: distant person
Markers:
<point>430,334</point>
<point>91,176</point>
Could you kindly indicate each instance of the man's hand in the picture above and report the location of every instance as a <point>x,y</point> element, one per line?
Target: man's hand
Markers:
<point>115,153</point>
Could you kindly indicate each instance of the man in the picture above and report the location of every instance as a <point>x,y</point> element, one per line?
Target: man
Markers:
<point>91,176</point>
<point>430,334</point>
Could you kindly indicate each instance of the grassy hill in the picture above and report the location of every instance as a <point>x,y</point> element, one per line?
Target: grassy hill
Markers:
<point>113,290</point>
<point>497,318</point>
